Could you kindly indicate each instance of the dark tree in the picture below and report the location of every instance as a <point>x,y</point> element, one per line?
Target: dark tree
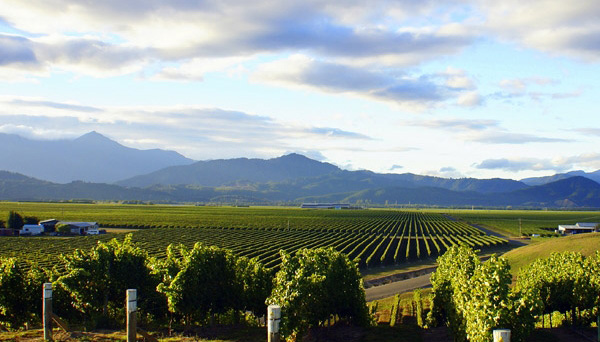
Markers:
<point>15,221</point>
<point>31,220</point>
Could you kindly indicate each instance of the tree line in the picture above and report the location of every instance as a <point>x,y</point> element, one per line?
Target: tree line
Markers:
<point>14,220</point>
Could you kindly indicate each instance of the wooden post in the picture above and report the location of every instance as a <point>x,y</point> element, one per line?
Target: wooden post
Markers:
<point>273,318</point>
<point>131,307</point>
<point>47,309</point>
<point>501,335</point>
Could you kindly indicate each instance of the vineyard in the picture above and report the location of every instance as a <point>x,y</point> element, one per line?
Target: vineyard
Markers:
<point>524,222</point>
<point>373,237</point>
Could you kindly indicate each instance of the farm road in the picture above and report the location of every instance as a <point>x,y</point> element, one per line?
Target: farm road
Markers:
<point>388,290</point>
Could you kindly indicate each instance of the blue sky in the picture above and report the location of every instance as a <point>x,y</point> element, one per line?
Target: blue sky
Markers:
<point>465,88</point>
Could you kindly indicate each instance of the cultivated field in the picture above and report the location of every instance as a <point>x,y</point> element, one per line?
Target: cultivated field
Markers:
<point>374,237</point>
<point>532,221</point>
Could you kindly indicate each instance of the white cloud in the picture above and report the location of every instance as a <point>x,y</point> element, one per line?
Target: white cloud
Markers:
<point>470,99</point>
<point>409,92</point>
<point>455,124</point>
<point>196,68</point>
<point>519,87</point>
<point>33,132</point>
<point>558,164</point>
<point>521,164</point>
<point>589,131</point>
<point>110,38</point>
<point>445,172</point>
<point>557,27</point>
<point>198,132</point>
<point>504,137</point>
<point>457,79</point>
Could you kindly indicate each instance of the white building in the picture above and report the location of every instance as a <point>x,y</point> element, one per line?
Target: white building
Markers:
<point>578,228</point>
<point>32,229</point>
<point>82,228</point>
<point>325,206</point>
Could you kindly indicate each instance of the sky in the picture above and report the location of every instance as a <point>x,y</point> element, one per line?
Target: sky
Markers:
<point>465,88</point>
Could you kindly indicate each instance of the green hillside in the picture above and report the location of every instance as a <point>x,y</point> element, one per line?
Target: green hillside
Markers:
<point>586,244</point>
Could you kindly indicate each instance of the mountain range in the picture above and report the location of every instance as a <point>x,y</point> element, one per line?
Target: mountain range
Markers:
<point>595,176</point>
<point>87,164</point>
<point>91,157</point>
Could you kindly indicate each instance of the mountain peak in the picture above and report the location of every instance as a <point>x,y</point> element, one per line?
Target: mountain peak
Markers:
<point>105,160</point>
<point>93,136</point>
<point>293,155</point>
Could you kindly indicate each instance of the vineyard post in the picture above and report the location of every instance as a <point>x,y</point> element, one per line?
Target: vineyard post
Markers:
<point>131,307</point>
<point>273,318</point>
<point>501,335</point>
<point>47,308</point>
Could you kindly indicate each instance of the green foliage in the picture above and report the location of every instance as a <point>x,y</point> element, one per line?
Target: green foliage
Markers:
<point>449,282</point>
<point>313,286</point>
<point>20,293</point>
<point>475,298</point>
<point>204,283</point>
<point>395,310</point>
<point>14,221</point>
<point>488,304</point>
<point>565,282</point>
<point>418,300</point>
<point>31,220</point>
<point>210,280</point>
<point>62,228</point>
<point>256,284</point>
<point>98,279</point>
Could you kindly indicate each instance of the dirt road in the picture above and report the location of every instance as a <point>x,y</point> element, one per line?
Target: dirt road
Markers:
<point>388,290</point>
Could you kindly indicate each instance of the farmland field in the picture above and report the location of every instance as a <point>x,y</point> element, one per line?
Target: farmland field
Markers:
<point>532,221</point>
<point>374,237</point>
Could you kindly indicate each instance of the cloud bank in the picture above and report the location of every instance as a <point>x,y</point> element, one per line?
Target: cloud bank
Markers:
<point>200,133</point>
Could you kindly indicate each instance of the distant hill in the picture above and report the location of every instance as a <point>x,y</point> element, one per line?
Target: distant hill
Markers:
<point>459,184</point>
<point>595,176</point>
<point>91,158</point>
<point>233,171</point>
<point>575,191</point>
<point>305,176</point>
<point>87,164</point>
<point>571,193</point>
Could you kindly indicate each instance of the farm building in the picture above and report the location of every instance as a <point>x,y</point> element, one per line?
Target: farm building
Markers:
<point>578,228</point>
<point>49,225</point>
<point>32,229</point>
<point>81,228</point>
<point>8,232</point>
<point>325,206</point>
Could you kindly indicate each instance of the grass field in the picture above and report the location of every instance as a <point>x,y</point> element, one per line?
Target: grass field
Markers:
<point>586,244</point>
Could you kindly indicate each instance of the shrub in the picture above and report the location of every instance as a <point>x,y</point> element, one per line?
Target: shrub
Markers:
<point>315,285</point>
